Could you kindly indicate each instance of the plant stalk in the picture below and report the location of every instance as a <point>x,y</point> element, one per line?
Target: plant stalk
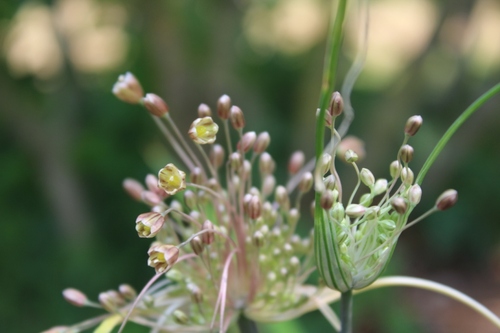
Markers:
<point>346,312</point>
<point>246,325</point>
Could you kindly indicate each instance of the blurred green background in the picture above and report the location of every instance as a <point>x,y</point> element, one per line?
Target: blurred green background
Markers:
<point>66,143</point>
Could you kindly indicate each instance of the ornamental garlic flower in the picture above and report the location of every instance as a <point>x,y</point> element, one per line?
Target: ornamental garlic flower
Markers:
<point>224,239</point>
<point>354,240</point>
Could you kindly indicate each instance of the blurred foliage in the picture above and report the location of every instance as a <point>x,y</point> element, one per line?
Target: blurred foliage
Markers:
<point>66,143</point>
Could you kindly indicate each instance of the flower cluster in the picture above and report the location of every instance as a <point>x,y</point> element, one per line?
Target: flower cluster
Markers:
<point>224,236</point>
<point>355,236</point>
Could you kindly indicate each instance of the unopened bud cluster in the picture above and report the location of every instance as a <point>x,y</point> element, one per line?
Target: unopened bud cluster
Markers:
<point>355,234</point>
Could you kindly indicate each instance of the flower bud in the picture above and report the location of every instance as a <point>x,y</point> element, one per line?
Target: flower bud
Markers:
<point>413,124</point>
<point>336,104</point>
<point>329,182</point>
<point>204,111</point>
<point>380,186</point>
<point>203,131</point>
<point>367,177</point>
<point>325,163</point>
<point>406,153</point>
<point>208,237</point>
<point>235,160</point>
<point>395,169</point>
<point>196,176</point>
<point>162,257</point>
<point>237,118</point>
<point>128,89</point>
<point>151,198</point>
<point>180,317</point>
<point>354,210</point>
<point>247,141</point>
<point>296,162</point>
<point>152,185</point>
<point>399,205</point>
<point>350,156</point>
<point>75,297</point>
<point>196,294</point>
<point>254,207</point>
<point>266,164</point>
<point>306,182</point>
<point>217,156</point>
<point>171,179</point>
<point>258,239</point>
<point>197,245</point>
<point>149,224</point>
<point>414,194</point>
<point>338,212</point>
<point>268,185</point>
<point>223,107</point>
<point>155,105</point>
<point>133,188</point>
<point>407,176</point>
<point>281,197</point>
<point>190,199</point>
<point>353,143</point>
<point>326,200</point>
<point>127,292</point>
<point>262,143</point>
<point>447,200</point>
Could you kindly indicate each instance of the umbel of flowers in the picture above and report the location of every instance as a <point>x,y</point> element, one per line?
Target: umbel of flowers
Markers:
<point>355,234</point>
<point>223,235</point>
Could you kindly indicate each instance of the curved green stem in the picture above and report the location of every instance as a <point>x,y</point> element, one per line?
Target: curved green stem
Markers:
<point>453,128</point>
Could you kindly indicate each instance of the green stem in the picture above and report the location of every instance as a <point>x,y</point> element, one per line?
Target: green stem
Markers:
<point>453,128</point>
<point>329,73</point>
<point>246,325</point>
<point>346,312</point>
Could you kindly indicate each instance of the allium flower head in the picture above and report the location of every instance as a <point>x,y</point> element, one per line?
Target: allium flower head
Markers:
<point>228,244</point>
<point>356,234</point>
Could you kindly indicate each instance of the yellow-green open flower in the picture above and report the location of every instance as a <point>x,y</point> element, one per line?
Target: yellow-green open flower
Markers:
<point>171,179</point>
<point>203,130</point>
